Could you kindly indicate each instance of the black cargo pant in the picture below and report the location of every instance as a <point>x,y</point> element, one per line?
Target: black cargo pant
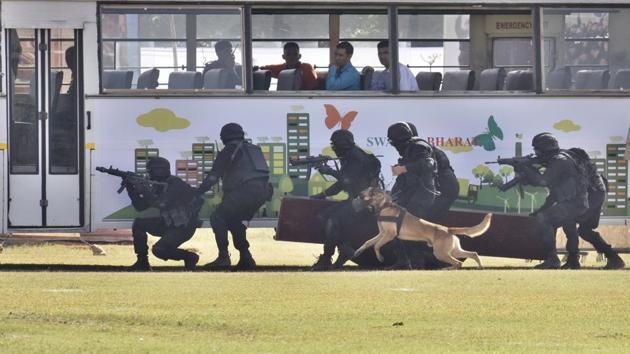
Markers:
<point>337,220</point>
<point>557,215</point>
<point>170,238</point>
<point>237,206</point>
<point>589,221</point>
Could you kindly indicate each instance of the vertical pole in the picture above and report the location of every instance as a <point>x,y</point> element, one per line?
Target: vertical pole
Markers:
<point>538,50</point>
<point>248,75</point>
<point>333,31</point>
<point>191,42</point>
<point>392,14</point>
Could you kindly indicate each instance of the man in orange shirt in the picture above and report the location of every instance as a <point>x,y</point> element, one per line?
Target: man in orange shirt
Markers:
<point>292,57</point>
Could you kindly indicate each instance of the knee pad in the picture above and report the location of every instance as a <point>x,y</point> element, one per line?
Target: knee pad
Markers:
<point>160,252</point>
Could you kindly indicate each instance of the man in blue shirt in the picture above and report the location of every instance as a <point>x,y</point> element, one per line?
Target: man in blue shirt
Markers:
<point>342,75</point>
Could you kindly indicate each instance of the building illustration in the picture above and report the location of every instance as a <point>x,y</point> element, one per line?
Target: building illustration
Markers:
<point>298,146</point>
<point>142,156</point>
<point>617,175</point>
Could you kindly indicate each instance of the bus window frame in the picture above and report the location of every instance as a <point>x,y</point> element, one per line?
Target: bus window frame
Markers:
<point>254,8</point>
<point>168,9</point>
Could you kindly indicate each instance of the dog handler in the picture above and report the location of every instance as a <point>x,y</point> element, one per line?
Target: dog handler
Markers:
<point>359,170</point>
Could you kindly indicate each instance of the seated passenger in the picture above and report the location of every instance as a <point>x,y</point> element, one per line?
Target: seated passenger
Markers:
<point>292,58</point>
<point>342,75</point>
<point>383,81</point>
<point>226,60</point>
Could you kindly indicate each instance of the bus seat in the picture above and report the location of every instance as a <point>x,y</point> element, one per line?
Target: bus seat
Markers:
<point>321,79</point>
<point>559,79</point>
<point>117,79</point>
<point>592,79</point>
<point>217,79</point>
<point>185,80</point>
<point>519,80</point>
<point>56,79</point>
<point>429,81</point>
<point>366,77</point>
<point>462,80</point>
<point>289,80</point>
<point>148,79</point>
<point>491,79</point>
<point>621,80</point>
<point>262,80</point>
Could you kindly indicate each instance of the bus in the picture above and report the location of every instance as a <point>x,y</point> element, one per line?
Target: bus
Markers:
<point>113,83</point>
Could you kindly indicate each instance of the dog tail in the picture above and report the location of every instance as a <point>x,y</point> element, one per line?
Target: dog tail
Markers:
<point>473,231</point>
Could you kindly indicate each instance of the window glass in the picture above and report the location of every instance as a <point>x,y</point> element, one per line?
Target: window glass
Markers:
<point>138,40</point>
<point>591,49</point>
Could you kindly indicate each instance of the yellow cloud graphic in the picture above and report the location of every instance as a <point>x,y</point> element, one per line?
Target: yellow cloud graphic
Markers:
<point>162,120</point>
<point>567,126</point>
<point>456,149</point>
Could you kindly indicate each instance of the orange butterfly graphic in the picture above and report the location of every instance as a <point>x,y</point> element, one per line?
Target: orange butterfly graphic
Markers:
<point>333,117</point>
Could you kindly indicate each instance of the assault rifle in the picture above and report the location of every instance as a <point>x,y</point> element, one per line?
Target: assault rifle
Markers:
<point>520,164</point>
<point>316,162</point>
<point>140,183</point>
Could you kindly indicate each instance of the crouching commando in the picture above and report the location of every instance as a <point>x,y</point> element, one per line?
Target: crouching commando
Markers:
<point>178,205</point>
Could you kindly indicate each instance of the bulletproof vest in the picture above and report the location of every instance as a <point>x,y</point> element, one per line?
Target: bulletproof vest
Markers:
<point>359,170</point>
<point>594,181</point>
<point>247,163</point>
<point>442,161</point>
<point>177,209</point>
<point>574,185</point>
<point>410,185</point>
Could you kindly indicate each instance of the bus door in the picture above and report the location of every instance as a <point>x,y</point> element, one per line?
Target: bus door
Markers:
<point>44,111</point>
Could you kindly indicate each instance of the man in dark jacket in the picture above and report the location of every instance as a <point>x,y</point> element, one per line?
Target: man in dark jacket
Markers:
<point>446,182</point>
<point>358,171</point>
<point>245,175</point>
<point>568,196</point>
<point>414,189</point>
<point>179,207</point>
<point>589,221</point>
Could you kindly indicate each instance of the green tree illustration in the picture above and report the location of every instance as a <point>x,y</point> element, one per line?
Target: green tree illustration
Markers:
<point>479,172</point>
<point>506,171</point>
<point>285,184</point>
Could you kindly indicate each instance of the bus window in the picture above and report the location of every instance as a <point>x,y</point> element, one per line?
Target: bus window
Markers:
<point>431,45</point>
<point>592,49</point>
<point>170,48</point>
<point>309,45</point>
<point>365,31</point>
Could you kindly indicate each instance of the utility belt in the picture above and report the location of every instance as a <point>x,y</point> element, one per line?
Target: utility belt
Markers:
<point>258,182</point>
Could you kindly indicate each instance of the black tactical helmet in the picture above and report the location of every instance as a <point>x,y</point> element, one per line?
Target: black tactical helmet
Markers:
<point>399,133</point>
<point>342,139</point>
<point>545,143</point>
<point>414,130</point>
<point>232,131</point>
<point>159,168</point>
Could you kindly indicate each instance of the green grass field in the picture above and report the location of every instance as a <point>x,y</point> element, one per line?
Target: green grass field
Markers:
<point>497,310</point>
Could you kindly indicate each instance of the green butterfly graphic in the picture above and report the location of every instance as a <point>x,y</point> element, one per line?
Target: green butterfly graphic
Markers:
<point>486,139</point>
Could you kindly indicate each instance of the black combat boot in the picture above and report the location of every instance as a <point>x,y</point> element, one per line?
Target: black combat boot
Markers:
<point>191,260</point>
<point>323,264</point>
<point>551,262</point>
<point>346,253</point>
<point>614,261</point>
<point>403,262</point>
<point>221,263</point>
<point>573,261</point>
<point>141,265</point>
<point>245,262</point>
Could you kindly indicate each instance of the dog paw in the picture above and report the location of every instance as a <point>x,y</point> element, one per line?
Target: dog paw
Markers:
<point>380,257</point>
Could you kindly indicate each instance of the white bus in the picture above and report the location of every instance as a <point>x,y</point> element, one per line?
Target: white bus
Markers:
<point>100,83</point>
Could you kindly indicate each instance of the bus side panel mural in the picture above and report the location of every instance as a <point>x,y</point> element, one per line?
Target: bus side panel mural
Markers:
<point>470,131</point>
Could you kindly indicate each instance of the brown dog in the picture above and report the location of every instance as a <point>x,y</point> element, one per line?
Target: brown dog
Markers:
<point>446,246</point>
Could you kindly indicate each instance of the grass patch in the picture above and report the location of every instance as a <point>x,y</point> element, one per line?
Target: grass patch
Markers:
<point>416,311</point>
